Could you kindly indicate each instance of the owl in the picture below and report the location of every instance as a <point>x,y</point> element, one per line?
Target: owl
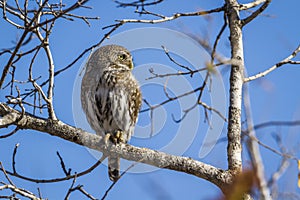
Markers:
<point>111,97</point>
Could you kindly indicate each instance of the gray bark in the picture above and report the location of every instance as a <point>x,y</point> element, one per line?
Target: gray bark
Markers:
<point>234,148</point>
<point>219,177</point>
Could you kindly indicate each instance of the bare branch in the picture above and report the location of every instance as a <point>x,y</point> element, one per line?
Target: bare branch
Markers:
<point>285,61</point>
<point>253,4</point>
<point>138,3</point>
<point>114,28</point>
<point>19,44</point>
<point>22,192</point>
<point>234,148</point>
<point>5,174</point>
<point>71,189</point>
<point>30,26</point>
<point>174,61</point>
<point>256,13</point>
<point>213,109</point>
<point>12,187</point>
<point>210,50</point>
<point>16,174</point>
<point>253,149</point>
<point>84,18</point>
<point>63,166</point>
<point>214,49</point>
<point>284,164</point>
<point>7,19</point>
<point>79,188</point>
<point>170,18</point>
<point>126,151</point>
<point>208,67</point>
<point>45,42</point>
<point>277,123</point>
<point>7,120</point>
<point>186,111</point>
<point>78,4</point>
<point>9,134</point>
<point>281,169</point>
<point>114,183</point>
<point>13,163</point>
<point>12,11</point>
<point>172,99</point>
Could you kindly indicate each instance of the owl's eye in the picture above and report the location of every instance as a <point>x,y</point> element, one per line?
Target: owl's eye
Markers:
<point>122,56</point>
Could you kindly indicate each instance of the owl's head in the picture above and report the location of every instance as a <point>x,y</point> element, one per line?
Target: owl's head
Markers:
<point>118,57</point>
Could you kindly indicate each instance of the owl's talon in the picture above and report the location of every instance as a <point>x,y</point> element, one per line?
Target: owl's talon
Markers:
<point>114,138</point>
<point>106,138</point>
<point>119,137</point>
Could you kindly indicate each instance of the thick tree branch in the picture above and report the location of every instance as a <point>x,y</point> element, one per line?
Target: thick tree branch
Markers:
<point>234,148</point>
<point>219,177</point>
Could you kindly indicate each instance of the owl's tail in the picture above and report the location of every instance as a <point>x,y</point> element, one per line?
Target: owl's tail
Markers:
<point>113,168</point>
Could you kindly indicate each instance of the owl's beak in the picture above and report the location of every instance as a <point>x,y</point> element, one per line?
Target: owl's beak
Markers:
<point>131,65</point>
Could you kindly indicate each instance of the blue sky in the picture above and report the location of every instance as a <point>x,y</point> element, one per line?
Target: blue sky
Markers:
<point>267,40</point>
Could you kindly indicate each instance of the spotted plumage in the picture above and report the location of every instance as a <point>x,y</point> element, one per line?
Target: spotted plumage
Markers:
<point>110,97</point>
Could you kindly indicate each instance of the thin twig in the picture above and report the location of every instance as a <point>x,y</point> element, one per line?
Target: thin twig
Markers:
<point>171,99</point>
<point>71,189</point>
<point>14,158</point>
<point>213,109</point>
<point>6,175</point>
<point>180,73</point>
<point>19,44</point>
<point>138,3</point>
<point>256,13</point>
<point>80,188</point>
<point>287,60</point>
<point>253,4</point>
<point>20,191</point>
<point>253,149</point>
<point>10,134</point>
<point>170,18</point>
<point>277,123</point>
<point>174,61</point>
<point>282,167</point>
<point>58,179</point>
<point>45,42</point>
<point>7,19</point>
<point>78,4</point>
<point>214,49</point>
<point>63,166</point>
<point>115,27</point>
<point>151,117</point>
<point>114,183</point>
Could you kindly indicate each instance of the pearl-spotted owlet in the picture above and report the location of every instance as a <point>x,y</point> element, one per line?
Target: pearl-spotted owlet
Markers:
<point>111,98</point>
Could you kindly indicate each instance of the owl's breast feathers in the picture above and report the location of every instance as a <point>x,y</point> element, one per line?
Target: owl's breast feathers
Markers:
<point>129,86</point>
<point>118,101</point>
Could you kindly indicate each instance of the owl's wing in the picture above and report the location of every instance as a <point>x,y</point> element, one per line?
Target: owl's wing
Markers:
<point>135,104</point>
